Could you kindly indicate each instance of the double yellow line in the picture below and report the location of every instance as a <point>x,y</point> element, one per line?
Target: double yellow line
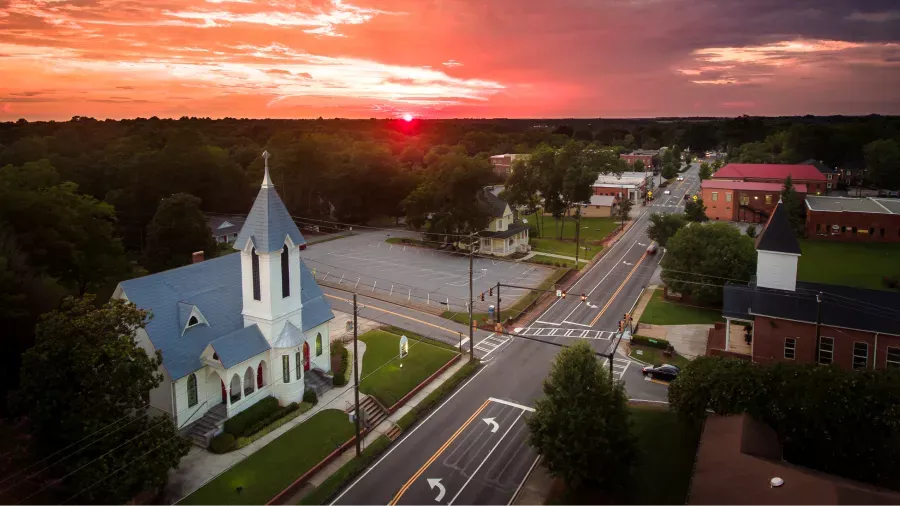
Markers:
<point>437,454</point>
<point>611,299</point>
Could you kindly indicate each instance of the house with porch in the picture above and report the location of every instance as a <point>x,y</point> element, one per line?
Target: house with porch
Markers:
<point>503,236</point>
<point>238,328</point>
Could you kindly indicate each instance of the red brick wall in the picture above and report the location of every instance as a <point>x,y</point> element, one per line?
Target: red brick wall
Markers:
<point>730,211</point>
<point>647,159</point>
<point>864,222</point>
<point>769,336</point>
<point>613,192</point>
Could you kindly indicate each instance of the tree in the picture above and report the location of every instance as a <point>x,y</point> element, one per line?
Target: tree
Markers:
<point>883,163</point>
<point>853,411</point>
<point>664,225</point>
<point>84,373</point>
<point>177,230</point>
<point>751,231</point>
<point>624,209</point>
<point>695,211</point>
<point>669,170</point>
<point>699,258</point>
<point>580,427</point>
<point>638,166</point>
<point>522,188</point>
<point>794,207</point>
<point>705,171</point>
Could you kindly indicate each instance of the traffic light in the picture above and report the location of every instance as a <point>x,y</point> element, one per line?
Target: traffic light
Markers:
<point>491,292</point>
<point>583,297</point>
<point>621,327</point>
<point>482,297</point>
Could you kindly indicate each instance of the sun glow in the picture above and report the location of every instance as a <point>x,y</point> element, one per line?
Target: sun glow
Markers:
<point>407,117</point>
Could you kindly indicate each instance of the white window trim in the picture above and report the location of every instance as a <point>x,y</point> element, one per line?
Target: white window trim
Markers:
<point>887,355</point>
<point>793,348</point>
<point>829,352</point>
<point>865,364</point>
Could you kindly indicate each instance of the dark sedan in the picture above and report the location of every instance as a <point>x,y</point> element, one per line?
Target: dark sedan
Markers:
<point>663,372</point>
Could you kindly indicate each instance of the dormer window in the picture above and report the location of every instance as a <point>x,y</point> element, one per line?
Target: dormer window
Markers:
<point>193,321</point>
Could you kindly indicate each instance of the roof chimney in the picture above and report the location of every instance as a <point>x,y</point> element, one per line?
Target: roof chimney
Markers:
<point>197,257</point>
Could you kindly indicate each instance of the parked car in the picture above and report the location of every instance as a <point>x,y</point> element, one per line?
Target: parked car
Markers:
<point>665,372</point>
<point>651,250</point>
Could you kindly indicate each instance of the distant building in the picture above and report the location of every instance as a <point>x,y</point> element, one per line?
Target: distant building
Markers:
<point>225,228</point>
<point>599,206</point>
<point>744,201</point>
<point>630,185</point>
<point>644,155</point>
<point>503,236</point>
<point>849,219</point>
<point>798,321</point>
<point>816,182</point>
<point>738,457</point>
<point>503,163</point>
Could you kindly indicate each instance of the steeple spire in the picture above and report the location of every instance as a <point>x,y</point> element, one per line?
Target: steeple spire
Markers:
<point>267,181</point>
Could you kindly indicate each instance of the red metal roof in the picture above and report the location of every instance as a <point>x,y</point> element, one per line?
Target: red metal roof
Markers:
<point>747,185</point>
<point>769,171</point>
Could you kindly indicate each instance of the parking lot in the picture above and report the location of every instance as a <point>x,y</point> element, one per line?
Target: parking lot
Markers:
<point>367,264</point>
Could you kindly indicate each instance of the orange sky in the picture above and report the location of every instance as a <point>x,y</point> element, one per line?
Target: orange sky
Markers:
<point>446,58</point>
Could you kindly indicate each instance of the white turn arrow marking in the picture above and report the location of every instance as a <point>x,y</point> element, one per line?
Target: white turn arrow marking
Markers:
<point>641,244</point>
<point>436,482</point>
<point>494,425</point>
<point>626,263</point>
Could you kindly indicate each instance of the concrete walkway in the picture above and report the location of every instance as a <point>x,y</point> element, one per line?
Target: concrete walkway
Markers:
<point>554,255</point>
<point>689,341</point>
<point>201,466</point>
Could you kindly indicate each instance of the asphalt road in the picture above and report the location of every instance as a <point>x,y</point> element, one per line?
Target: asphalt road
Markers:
<point>472,449</point>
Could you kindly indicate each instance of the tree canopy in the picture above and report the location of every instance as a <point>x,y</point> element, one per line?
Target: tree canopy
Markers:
<point>86,383</point>
<point>701,258</point>
<point>793,204</point>
<point>695,211</point>
<point>883,161</point>
<point>177,230</point>
<point>580,426</point>
<point>663,226</point>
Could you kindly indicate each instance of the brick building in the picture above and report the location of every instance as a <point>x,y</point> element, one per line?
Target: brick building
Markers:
<point>796,321</point>
<point>503,163</point>
<point>752,202</point>
<point>631,185</point>
<point>849,219</point>
<point>645,156</point>
<point>816,182</point>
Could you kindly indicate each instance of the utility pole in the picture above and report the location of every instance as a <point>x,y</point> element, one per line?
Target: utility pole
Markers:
<point>471,298</point>
<point>356,375</point>
<point>577,231</point>
<point>499,320</point>
<point>818,324</point>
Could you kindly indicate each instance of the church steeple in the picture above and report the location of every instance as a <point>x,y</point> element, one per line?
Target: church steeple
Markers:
<point>269,243</point>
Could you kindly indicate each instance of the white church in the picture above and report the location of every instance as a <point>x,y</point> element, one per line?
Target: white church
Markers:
<point>238,328</point>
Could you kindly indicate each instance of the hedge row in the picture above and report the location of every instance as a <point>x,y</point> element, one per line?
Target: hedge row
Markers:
<point>652,342</point>
<point>239,424</point>
<point>438,394</point>
<point>226,442</point>
<point>342,375</point>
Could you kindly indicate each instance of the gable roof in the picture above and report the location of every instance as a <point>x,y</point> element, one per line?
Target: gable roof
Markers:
<point>214,287</point>
<point>269,224</point>
<point>237,346</point>
<point>777,171</point>
<point>821,167</point>
<point>494,205</point>
<point>778,236</point>
<point>222,226</point>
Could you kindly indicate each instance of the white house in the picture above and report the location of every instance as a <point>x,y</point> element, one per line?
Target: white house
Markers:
<point>237,328</point>
<point>502,236</point>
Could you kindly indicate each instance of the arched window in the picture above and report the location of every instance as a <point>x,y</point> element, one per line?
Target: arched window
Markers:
<point>192,390</point>
<point>299,360</point>
<point>285,273</point>
<point>248,381</point>
<point>193,321</point>
<point>254,260</point>
<point>318,344</point>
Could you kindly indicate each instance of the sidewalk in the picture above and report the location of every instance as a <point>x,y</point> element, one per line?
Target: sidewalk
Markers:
<point>200,466</point>
<point>554,255</point>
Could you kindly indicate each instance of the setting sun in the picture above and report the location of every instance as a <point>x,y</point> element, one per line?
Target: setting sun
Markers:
<point>407,117</point>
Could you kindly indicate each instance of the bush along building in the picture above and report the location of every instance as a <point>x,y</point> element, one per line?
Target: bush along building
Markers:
<point>796,321</point>
<point>239,328</point>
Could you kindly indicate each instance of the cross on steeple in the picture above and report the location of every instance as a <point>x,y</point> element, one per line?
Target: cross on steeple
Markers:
<point>267,181</point>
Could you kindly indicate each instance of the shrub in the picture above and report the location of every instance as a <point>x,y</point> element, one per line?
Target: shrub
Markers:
<point>223,443</point>
<point>341,376</point>
<point>238,424</point>
<point>310,397</point>
<point>661,344</point>
<point>272,418</point>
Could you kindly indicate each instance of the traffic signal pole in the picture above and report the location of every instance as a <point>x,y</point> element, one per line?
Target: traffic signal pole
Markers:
<point>471,298</point>
<point>499,320</point>
<point>356,374</point>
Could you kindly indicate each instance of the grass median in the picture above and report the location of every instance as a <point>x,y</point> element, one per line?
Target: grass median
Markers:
<point>660,311</point>
<point>519,306</point>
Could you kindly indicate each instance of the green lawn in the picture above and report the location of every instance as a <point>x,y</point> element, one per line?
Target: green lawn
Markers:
<point>663,312</point>
<point>849,263</point>
<point>654,356</point>
<point>592,231</point>
<point>270,470</point>
<point>382,375</point>
<point>517,307</point>
<point>664,462</point>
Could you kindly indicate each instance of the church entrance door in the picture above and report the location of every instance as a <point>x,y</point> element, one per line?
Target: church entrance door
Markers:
<point>305,356</point>
<point>224,395</point>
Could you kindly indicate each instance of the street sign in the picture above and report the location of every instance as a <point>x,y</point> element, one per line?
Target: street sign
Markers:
<point>559,293</point>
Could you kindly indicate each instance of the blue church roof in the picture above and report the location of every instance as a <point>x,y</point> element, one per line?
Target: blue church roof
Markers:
<point>268,223</point>
<point>214,287</point>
